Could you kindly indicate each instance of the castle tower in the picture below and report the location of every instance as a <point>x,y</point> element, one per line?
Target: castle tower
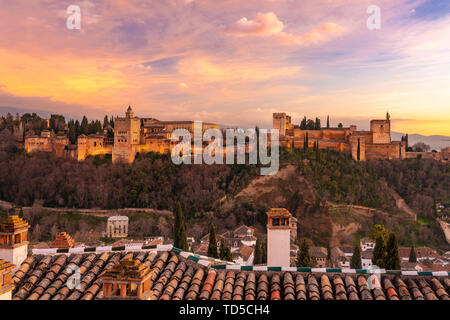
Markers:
<point>381,130</point>
<point>278,237</point>
<point>6,284</point>
<point>127,132</point>
<point>129,279</point>
<point>13,240</point>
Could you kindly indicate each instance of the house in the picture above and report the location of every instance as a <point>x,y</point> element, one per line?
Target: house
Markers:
<point>319,255</point>
<point>410,266</point>
<point>244,256</point>
<point>339,259</point>
<point>347,250</point>
<point>367,244</point>
<point>366,259</point>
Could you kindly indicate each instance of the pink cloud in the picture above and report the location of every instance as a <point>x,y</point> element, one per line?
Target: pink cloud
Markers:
<point>268,25</point>
<point>264,25</point>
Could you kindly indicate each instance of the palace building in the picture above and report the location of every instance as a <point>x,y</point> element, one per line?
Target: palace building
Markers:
<point>362,145</point>
<point>132,135</point>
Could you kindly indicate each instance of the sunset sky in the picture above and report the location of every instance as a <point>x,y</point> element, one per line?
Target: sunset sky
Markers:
<point>231,62</point>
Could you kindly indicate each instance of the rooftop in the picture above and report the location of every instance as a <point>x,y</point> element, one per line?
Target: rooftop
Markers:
<point>178,275</point>
<point>12,224</point>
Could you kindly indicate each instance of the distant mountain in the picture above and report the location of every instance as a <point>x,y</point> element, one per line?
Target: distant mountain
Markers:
<point>435,142</point>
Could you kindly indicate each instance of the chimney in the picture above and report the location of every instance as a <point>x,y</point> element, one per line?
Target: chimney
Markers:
<point>13,240</point>
<point>127,280</point>
<point>6,284</point>
<point>278,237</point>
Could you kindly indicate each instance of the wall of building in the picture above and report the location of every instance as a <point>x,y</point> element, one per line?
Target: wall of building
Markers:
<point>381,131</point>
<point>16,256</point>
<point>278,247</point>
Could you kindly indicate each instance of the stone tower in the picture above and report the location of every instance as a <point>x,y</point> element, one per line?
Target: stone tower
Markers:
<point>278,237</point>
<point>127,133</point>
<point>381,130</point>
<point>13,240</point>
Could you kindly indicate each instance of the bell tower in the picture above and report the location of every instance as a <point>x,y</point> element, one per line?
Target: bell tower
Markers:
<point>278,237</point>
<point>14,240</point>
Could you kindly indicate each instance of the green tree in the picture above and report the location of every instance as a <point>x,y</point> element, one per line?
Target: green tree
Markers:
<point>225,252</point>
<point>72,135</point>
<point>392,261</point>
<point>264,252</point>
<point>105,122</point>
<point>303,124</point>
<point>378,230</point>
<point>379,252</point>
<point>328,122</point>
<point>317,124</point>
<point>359,150</point>
<point>212,247</point>
<point>412,255</point>
<point>303,256</point>
<point>329,257</point>
<point>84,128</point>
<point>355,263</point>
<point>180,238</point>
<point>258,253</point>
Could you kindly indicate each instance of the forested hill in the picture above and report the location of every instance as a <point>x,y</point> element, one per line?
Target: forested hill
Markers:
<point>152,181</point>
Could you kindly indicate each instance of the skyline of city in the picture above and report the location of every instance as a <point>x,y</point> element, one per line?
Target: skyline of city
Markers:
<point>209,61</point>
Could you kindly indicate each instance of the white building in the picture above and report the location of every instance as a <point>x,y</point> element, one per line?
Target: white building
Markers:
<point>117,227</point>
<point>367,244</point>
<point>278,237</point>
<point>14,240</point>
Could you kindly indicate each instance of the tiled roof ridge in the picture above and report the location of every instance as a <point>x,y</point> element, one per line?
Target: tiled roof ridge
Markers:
<point>176,277</point>
<point>220,264</point>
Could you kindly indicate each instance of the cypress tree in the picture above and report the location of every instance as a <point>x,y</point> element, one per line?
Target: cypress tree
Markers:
<point>317,151</point>
<point>412,255</point>
<point>379,252</point>
<point>212,247</point>
<point>180,238</point>
<point>258,253</point>
<point>105,122</point>
<point>84,128</point>
<point>328,122</point>
<point>303,257</point>
<point>359,150</point>
<point>392,261</point>
<point>264,252</point>
<point>356,258</point>
<point>225,252</point>
<point>329,258</point>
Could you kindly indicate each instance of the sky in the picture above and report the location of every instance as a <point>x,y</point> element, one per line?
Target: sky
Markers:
<point>231,62</point>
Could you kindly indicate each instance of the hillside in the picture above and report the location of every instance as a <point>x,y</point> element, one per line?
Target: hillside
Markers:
<point>334,198</point>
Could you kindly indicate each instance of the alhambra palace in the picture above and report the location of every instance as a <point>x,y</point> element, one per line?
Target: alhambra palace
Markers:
<point>134,135</point>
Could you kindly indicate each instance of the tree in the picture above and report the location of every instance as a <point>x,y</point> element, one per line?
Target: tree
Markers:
<point>356,258</point>
<point>258,253</point>
<point>421,147</point>
<point>303,124</point>
<point>72,133</point>
<point>225,252</point>
<point>303,257</point>
<point>379,252</point>
<point>328,122</point>
<point>340,125</point>
<point>412,255</point>
<point>317,124</point>
<point>180,238</point>
<point>378,230</point>
<point>84,126</point>
<point>329,257</point>
<point>105,122</point>
<point>264,252</point>
<point>392,261</point>
<point>212,247</point>
<point>359,150</point>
